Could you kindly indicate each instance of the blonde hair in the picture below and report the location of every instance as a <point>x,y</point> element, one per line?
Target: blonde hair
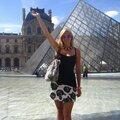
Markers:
<point>60,43</point>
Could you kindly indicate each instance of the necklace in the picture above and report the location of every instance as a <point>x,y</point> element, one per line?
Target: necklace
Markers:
<point>67,51</point>
<point>67,48</point>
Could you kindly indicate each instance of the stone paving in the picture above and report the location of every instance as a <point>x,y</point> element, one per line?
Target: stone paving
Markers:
<point>27,98</point>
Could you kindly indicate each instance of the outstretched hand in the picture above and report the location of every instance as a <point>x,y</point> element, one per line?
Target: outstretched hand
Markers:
<point>35,14</point>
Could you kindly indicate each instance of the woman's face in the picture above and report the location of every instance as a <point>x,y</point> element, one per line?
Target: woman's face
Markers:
<point>67,38</point>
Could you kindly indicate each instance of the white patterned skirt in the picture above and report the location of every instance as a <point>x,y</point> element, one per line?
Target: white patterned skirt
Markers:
<point>63,93</point>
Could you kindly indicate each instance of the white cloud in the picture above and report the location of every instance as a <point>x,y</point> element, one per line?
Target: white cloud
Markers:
<point>10,25</point>
<point>6,30</point>
<point>7,27</point>
<point>112,13</point>
<point>56,20</point>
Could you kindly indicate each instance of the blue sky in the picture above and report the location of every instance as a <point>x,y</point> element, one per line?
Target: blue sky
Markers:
<point>11,10</point>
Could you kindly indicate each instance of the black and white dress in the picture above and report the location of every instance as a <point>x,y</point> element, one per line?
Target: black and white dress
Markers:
<point>65,88</point>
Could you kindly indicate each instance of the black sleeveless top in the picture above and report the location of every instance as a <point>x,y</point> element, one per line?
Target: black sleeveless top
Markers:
<point>66,70</point>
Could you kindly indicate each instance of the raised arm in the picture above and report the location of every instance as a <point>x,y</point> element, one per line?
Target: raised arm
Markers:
<point>42,25</point>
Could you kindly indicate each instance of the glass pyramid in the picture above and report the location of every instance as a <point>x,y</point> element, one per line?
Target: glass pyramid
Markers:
<point>97,36</point>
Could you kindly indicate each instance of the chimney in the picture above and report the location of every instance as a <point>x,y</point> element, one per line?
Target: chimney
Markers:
<point>50,13</point>
<point>24,14</point>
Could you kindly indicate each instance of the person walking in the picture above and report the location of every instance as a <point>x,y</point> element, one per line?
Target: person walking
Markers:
<point>67,87</point>
<point>85,71</point>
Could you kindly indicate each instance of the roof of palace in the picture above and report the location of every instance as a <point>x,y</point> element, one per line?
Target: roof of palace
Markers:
<point>30,17</point>
<point>8,33</point>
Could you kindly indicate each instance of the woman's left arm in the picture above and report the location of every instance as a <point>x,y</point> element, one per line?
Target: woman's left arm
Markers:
<point>78,72</point>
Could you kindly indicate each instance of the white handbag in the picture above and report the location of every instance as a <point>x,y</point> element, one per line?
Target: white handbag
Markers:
<point>53,71</point>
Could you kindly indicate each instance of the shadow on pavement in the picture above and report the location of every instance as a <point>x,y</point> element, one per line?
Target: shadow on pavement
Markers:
<point>112,115</point>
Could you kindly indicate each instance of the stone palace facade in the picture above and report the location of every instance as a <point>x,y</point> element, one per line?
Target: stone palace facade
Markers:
<point>16,49</point>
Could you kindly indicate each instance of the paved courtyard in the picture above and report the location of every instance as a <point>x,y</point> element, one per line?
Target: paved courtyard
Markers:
<point>27,98</point>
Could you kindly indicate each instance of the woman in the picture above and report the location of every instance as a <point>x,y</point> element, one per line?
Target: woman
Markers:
<point>65,89</point>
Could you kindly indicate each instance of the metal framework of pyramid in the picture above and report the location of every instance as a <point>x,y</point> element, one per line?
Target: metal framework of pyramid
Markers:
<point>97,36</point>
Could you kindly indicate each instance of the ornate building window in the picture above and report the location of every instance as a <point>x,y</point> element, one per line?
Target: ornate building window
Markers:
<point>29,40</point>
<point>7,62</point>
<point>15,40</point>
<point>29,30</point>
<point>29,49</point>
<point>16,62</point>
<point>38,30</point>
<point>7,40</point>
<point>15,49</point>
<point>7,49</point>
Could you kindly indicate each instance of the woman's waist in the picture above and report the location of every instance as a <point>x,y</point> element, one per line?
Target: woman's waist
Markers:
<point>66,71</point>
<point>71,83</point>
<point>66,78</point>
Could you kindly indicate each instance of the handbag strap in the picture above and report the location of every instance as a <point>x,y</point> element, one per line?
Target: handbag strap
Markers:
<point>57,54</point>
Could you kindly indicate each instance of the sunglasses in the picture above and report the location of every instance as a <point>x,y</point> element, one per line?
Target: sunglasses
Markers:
<point>67,36</point>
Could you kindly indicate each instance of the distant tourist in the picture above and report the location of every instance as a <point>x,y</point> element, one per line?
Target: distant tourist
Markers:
<point>65,90</point>
<point>85,71</point>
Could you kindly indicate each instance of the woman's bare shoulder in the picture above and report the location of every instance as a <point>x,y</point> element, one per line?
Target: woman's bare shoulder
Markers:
<point>77,49</point>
